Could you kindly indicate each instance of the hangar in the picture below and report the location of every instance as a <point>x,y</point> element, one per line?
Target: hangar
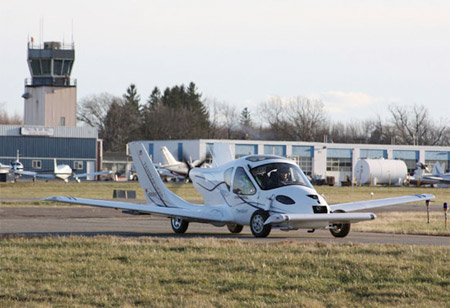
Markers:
<point>315,158</point>
<point>37,146</point>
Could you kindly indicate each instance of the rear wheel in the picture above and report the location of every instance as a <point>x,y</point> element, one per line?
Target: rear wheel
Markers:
<point>259,229</point>
<point>235,228</point>
<point>179,225</point>
<point>340,230</point>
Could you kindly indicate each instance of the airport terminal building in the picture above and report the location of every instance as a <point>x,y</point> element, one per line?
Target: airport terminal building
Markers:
<point>315,159</point>
<point>37,146</point>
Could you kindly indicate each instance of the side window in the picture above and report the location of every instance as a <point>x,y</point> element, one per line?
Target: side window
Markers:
<point>36,164</point>
<point>227,177</point>
<point>242,184</point>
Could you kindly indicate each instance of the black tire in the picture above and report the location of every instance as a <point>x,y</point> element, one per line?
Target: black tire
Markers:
<point>259,229</point>
<point>179,225</point>
<point>340,230</point>
<point>234,228</point>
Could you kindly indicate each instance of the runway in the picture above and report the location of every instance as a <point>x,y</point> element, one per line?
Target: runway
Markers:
<point>89,221</point>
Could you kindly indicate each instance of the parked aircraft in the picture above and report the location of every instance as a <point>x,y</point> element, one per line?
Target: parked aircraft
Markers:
<point>177,168</point>
<point>62,172</point>
<point>422,175</point>
<point>13,166</point>
<point>260,191</point>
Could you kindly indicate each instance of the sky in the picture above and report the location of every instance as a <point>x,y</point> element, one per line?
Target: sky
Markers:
<point>357,57</point>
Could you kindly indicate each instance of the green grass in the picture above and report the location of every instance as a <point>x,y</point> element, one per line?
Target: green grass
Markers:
<point>113,271</point>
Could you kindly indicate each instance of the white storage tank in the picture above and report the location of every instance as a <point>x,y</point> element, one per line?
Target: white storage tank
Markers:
<point>380,171</point>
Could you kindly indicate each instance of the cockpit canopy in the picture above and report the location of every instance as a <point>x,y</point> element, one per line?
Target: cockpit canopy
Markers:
<point>274,175</point>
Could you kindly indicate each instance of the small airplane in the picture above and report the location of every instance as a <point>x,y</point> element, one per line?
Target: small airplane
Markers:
<point>260,191</point>
<point>176,169</point>
<point>62,172</point>
<point>13,166</point>
<point>423,176</point>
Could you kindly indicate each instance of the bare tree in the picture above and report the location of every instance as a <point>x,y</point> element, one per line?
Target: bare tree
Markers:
<point>296,118</point>
<point>5,118</point>
<point>413,125</point>
<point>92,110</point>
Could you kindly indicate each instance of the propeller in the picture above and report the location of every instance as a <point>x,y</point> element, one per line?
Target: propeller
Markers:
<point>187,160</point>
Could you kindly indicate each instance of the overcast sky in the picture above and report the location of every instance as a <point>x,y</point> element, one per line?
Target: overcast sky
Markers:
<point>356,56</point>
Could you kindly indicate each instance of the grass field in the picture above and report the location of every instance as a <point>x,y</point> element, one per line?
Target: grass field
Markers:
<point>112,271</point>
<point>104,190</point>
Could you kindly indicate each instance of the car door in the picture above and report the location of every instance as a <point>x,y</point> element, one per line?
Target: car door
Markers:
<point>243,196</point>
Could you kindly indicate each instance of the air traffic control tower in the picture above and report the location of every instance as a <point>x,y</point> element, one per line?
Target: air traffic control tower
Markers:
<point>50,95</point>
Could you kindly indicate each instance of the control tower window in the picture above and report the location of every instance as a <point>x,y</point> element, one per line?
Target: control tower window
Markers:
<point>67,67</point>
<point>36,67</point>
<point>46,67</point>
<point>57,67</point>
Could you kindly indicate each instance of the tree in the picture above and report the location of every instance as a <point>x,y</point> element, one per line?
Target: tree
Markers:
<point>115,136</point>
<point>414,126</point>
<point>154,99</point>
<point>5,118</point>
<point>92,110</point>
<point>180,111</point>
<point>245,118</point>
<point>132,97</point>
<point>295,118</point>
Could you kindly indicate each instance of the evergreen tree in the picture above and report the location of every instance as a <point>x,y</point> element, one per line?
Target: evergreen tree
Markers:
<point>132,97</point>
<point>154,99</point>
<point>245,118</point>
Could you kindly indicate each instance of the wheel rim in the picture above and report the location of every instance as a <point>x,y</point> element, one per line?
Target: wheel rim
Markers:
<point>337,228</point>
<point>258,223</point>
<point>176,223</point>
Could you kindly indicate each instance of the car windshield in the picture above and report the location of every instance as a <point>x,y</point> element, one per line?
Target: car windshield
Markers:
<point>276,175</point>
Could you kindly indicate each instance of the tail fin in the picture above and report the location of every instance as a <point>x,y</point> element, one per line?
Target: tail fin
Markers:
<point>149,179</point>
<point>168,157</point>
<point>221,154</point>
<point>438,169</point>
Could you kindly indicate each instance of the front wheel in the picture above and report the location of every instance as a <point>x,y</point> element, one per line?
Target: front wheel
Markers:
<point>179,225</point>
<point>259,229</point>
<point>234,228</point>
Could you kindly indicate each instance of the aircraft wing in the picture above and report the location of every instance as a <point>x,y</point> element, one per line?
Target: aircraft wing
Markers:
<point>83,175</point>
<point>369,204</point>
<point>438,179</point>
<point>199,213</point>
<point>35,174</point>
<point>331,218</point>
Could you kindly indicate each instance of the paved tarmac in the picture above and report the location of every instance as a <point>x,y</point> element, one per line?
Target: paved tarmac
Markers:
<point>91,221</point>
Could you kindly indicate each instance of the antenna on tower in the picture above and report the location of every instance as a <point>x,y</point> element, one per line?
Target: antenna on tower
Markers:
<point>72,34</point>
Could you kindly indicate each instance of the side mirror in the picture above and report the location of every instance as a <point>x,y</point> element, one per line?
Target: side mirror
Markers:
<point>237,191</point>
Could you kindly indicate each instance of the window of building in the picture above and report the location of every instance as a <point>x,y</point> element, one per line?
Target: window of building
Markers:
<point>78,165</point>
<point>63,121</point>
<point>339,164</point>
<point>209,153</point>
<point>36,164</point>
<point>302,155</point>
<point>245,149</point>
<point>339,160</point>
<point>409,157</point>
<point>372,153</point>
<point>279,150</point>
<point>57,67</point>
<point>45,67</point>
<point>440,157</point>
<point>36,67</point>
